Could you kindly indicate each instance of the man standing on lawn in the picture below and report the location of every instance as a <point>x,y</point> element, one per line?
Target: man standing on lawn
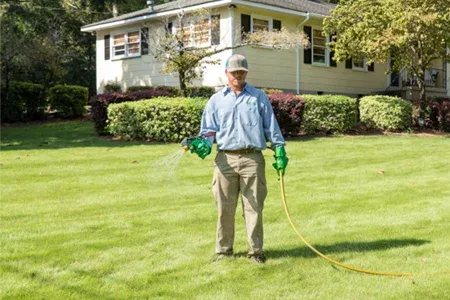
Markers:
<point>241,119</point>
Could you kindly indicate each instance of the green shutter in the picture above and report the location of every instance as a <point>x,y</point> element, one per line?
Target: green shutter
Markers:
<point>349,64</point>
<point>107,47</point>
<point>245,24</point>
<point>144,41</point>
<point>276,25</point>
<point>215,30</point>
<point>307,53</point>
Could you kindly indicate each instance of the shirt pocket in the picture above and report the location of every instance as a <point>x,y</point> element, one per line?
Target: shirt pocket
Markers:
<point>249,116</point>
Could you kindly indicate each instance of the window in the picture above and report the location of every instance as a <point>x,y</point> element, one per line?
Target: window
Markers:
<point>126,44</point>
<point>319,48</point>
<point>200,32</point>
<point>260,24</point>
<point>256,23</point>
<point>359,64</point>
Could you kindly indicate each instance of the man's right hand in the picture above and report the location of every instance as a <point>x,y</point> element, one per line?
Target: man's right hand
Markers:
<point>200,146</point>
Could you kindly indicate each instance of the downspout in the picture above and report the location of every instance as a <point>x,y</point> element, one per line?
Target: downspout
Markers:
<point>298,53</point>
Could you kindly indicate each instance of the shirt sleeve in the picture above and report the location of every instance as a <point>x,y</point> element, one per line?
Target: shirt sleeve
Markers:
<point>272,130</point>
<point>209,123</point>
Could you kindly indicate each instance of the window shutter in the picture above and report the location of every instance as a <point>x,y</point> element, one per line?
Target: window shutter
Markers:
<point>349,64</point>
<point>107,47</point>
<point>144,41</point>
<point>276,25</point>
<point>332,61</point>
<point>245,23</point>
<point>169,28</point>
<point>307,53</point>
<point>371,67</point>
<point>215,30</point>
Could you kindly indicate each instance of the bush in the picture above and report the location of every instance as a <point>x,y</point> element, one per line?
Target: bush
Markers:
<point>385,113</point>
<point>288,110</point>
<point>200,91</point>
<point>329,114</point>
<point>163,119</point>
<point>111,87</point>
<point>99,104</point>
<point>135,88</point>
<point>437,114</point>
<point>268,91</point>
<point>68,100</point>
<point>22,102</point>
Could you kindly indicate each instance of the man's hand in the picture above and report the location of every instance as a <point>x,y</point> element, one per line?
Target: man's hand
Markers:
<point>200,146</point>
<point>281,160</point>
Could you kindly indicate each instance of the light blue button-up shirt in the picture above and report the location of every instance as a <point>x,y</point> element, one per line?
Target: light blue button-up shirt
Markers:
<point>245,121</point>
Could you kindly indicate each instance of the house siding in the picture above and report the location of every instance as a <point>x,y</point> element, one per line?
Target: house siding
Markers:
<point>146,70</point>
<point>277,68</point>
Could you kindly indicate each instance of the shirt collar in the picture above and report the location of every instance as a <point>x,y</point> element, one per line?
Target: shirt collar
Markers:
<point>226,89</point>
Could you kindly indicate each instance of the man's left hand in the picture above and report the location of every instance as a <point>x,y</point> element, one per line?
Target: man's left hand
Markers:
<point>281,160</point>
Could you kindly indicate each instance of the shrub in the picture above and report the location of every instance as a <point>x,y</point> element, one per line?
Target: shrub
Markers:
<point>385,113</point>
<point>99,104</point>
<point>437,114</point>
<point>111,87</point>
<point>163,119</point>
<point>135,88</point>
<point>68,100</point>
<point>268,91</point>
<point>22,102</point>
<point>288,110</point>
<point>329,114</point>
<point>200,91</point>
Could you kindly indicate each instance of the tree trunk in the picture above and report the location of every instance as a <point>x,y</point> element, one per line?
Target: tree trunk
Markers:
<point>422,94</point>
<point>182,77</point>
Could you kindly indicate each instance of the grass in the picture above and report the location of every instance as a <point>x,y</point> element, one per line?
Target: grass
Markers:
<point>90,218</point>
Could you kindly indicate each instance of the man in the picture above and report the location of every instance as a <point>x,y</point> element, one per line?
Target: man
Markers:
<point>241,119</point>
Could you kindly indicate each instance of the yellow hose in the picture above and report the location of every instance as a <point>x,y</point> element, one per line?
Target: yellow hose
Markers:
<point>283,195</point>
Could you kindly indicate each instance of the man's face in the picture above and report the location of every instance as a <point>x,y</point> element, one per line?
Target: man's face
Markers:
<point>236,78</point>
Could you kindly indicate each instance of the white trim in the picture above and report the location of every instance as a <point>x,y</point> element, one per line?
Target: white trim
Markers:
<point>192,21</point>
<point>327,51</point>
<point>125,33</point>
<point>261,17</point>
<point>193,8</point>
<point>364,67</point>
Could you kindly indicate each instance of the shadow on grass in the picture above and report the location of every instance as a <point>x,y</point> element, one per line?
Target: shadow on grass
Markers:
<point>342,247</point>
<point>57,135</point>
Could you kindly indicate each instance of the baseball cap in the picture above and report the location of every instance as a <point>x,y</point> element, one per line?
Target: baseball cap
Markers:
<point>236,62</point>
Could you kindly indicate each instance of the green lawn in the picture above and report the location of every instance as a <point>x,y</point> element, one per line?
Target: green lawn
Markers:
<point>89,218</point>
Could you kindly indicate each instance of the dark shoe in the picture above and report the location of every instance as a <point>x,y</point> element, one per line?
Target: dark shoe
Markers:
<point>258,259</point>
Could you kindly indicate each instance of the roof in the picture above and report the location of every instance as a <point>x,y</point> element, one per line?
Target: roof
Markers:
<point>312,6</point>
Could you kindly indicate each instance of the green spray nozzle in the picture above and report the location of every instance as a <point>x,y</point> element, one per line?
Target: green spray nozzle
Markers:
<point>186,143</point>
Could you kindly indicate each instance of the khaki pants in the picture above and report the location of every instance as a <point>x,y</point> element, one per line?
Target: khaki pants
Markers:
<point>244,174</point>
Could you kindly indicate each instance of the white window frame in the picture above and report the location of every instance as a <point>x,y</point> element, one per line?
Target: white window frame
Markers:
<point>192,22</point>
<point>363,68</point>
<point>126,50</point>
<point>327,51</point>
<point>261,17</point>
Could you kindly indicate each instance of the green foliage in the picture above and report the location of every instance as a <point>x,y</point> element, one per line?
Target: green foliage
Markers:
<point>112,87</point>
<point>22,101</point>
<point>329,113</point>
<point>200,91</point>
<point>385,113</point>
<point>269,91</point>
<point>412,32</point>
<point>68,100</point>
<point>160,119</point>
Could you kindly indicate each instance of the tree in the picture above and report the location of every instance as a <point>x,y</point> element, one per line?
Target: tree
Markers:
<point>411,32</point>
<point>181,50</point>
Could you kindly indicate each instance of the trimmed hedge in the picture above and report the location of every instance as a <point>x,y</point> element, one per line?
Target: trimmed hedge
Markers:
<point>385,113</point>
<point>69,100</point>
<point>100,103</point>
<point>288,110</point>
<point>162,119</point>
<point>23,102</point>
<point>192,91</point>
<point>329,114</point>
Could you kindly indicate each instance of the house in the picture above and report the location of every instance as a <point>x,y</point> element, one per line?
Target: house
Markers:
<point>124,57</point>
